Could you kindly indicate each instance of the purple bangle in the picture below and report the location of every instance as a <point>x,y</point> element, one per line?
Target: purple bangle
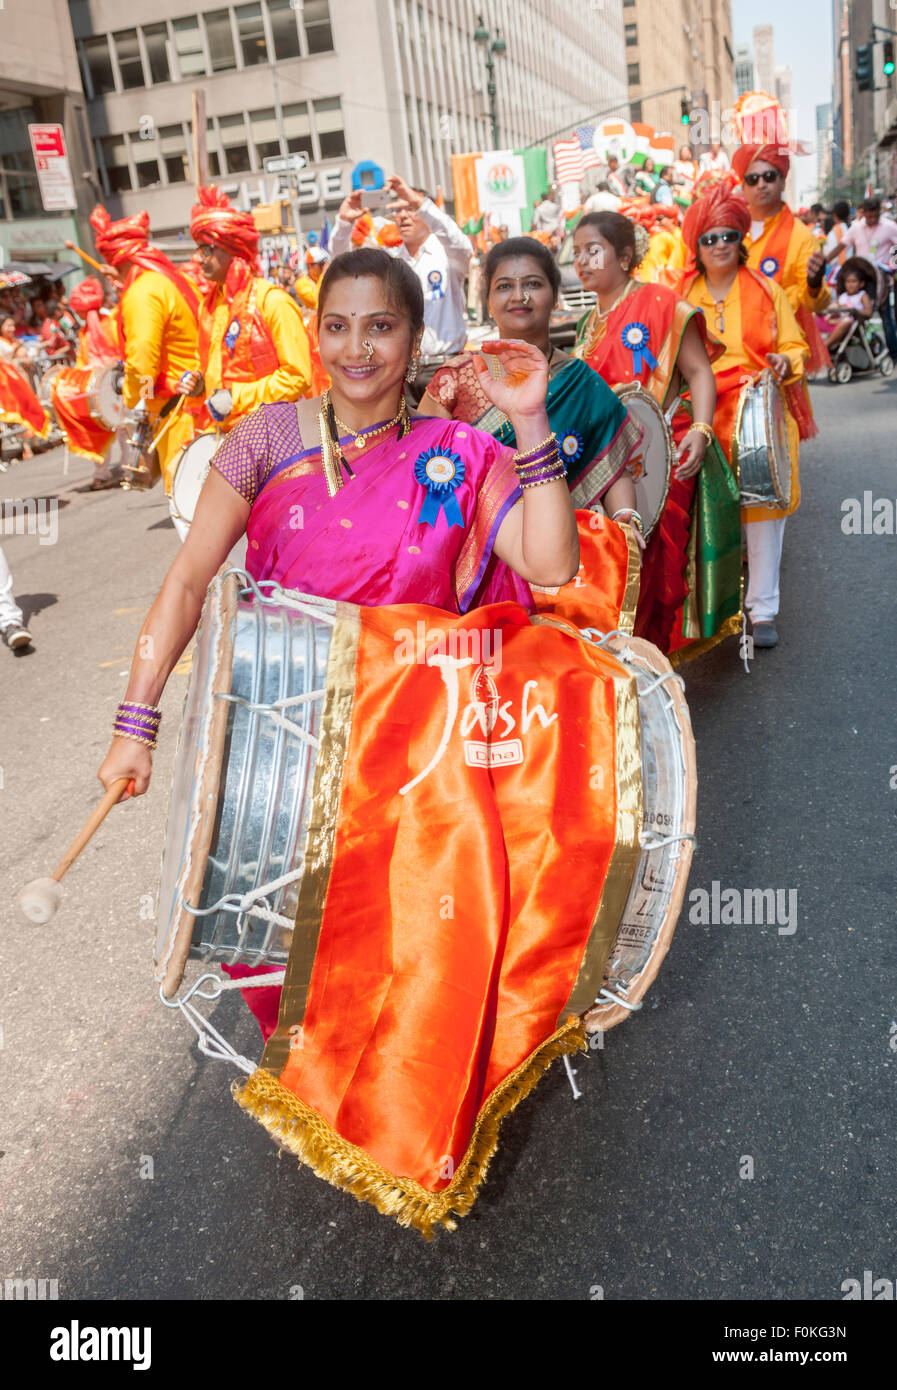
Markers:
<point>551,475</point>
<point>546,452</point>
<point>138,730</point>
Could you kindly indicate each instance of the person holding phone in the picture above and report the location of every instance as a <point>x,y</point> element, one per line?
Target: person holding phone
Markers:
<point>439,254</point>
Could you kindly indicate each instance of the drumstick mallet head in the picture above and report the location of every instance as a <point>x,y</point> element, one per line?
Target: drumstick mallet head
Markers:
<point>39,899</point>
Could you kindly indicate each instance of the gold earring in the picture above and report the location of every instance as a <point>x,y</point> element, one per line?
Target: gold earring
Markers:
<point>411,372</point>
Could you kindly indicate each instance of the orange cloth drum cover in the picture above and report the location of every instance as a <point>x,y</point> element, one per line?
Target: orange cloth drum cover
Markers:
<point>446,947</point>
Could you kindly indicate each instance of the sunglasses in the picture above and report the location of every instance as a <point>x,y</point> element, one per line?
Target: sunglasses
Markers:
<point>711,238</point>
<point>768,176</point>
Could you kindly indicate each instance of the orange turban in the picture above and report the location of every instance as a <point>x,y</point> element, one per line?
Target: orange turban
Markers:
<point>213,220</point>
<point>117,241</point>
<point>745,155</point>
<point>722,206</point>
<point>86,296</point>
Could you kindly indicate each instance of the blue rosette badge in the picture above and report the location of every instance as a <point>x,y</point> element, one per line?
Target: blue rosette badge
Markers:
<point>769,266</point>
<point>439,472</point>
<point>636,337</point>
<point>572,445</point>
<point>232,334</point>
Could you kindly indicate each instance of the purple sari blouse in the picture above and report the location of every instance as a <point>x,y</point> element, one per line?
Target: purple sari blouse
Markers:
<point>386,537</point>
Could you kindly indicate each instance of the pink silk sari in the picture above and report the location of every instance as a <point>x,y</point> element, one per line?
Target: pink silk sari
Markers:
<point>383,539</point>
<point>368,544</point>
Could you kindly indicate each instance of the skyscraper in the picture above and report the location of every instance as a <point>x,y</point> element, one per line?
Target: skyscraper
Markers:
<point>764,59</point>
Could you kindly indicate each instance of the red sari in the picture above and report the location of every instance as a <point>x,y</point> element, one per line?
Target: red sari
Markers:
<point>650,357</point>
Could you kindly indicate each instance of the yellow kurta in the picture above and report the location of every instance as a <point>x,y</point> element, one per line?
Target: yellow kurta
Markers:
<point>283,319</point>
<point>791,342</point>
<point>665,258</point>
<point>793,276</point>
<point>160,345</point>
<point>306,291</point>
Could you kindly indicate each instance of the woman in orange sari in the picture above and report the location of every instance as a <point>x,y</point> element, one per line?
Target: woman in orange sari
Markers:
<point>649,334</point>
<point>752,316</point>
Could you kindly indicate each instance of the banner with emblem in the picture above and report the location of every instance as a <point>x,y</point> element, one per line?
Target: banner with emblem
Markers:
<point>504,185</point>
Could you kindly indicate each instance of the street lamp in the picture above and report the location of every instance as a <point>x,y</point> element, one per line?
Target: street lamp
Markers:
<point>492,45</point>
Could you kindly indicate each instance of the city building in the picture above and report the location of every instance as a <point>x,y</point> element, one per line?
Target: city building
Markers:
<point>40,85</point>
<point>823,144</point>
<point>864,124</point>
<point>744,70</point>
<point>398,82</point>
<point>782,89</point>
<point>764,59</point>
<point>682,48</point>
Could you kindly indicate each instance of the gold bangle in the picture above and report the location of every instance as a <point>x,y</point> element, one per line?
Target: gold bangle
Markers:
<point>521,457</point>
<point>702,428</point>
<point>149,743</point>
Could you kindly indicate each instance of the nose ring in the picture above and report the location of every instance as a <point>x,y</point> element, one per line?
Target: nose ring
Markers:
<point>526,296</point>
<point>367,348</point>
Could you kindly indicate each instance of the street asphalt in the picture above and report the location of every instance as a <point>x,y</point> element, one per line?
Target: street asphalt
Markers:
<point>756,1052</point>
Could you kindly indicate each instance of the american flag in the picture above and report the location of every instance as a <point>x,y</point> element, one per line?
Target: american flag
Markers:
<point>585,135</point>
<point>572,157</point>
<point>568,163</point>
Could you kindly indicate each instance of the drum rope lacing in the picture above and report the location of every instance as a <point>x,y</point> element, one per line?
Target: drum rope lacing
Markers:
<point>210,1042</point>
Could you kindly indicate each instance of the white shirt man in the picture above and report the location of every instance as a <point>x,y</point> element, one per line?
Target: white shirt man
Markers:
<point>714,161</point>
<point>438,253</point>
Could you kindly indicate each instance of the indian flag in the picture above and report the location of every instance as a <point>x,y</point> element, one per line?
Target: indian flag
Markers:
<point>643,137</point>
<point>661,149</point>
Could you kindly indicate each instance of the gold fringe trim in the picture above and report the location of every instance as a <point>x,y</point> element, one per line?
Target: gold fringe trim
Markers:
<point>729,628</point>
<point>295,1126</point>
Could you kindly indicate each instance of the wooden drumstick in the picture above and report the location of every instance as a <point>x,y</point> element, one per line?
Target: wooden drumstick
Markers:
<point>173,415</point>
<point>40,898</point>
<point>70,245</point>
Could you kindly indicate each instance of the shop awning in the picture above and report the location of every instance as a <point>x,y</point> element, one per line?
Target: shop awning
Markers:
<point>51,270</point>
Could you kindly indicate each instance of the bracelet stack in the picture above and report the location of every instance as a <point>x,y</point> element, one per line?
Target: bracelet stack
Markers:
<point>540,465</point>
<point>702,428</point>
<point>139,722</point>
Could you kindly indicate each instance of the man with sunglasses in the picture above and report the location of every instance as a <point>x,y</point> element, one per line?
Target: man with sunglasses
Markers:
<point>253,347</point>
<point>778,244</point>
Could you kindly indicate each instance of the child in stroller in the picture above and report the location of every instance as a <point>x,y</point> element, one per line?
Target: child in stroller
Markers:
<point>853,343</point>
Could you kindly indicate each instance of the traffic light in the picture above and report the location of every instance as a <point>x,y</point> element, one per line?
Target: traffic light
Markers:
<point>684,111</point>
<point>863,69</point>
<point>889,58</point>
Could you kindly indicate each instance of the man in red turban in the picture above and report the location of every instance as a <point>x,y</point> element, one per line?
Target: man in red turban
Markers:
<point>253,346</point>
<point>779,245</point>
<point>157,325</point>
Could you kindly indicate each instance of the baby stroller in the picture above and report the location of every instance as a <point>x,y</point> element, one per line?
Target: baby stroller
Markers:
<point>863,348</point>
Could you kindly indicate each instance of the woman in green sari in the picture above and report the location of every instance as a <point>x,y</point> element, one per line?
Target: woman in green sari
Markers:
<point>597,437</point>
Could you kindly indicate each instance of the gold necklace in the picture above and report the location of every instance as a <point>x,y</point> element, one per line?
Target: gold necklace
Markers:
<point>361,437</point>
<point>603,313</point>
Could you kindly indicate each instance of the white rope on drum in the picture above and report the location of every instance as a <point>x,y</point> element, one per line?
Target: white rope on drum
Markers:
<point>648,840</point>
<point>271,710</point>
<point>247,902</point>
<point>210,1042</point>
<point>571,1077</point>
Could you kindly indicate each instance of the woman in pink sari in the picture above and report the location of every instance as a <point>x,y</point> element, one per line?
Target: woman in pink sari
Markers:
<point>349,497</point>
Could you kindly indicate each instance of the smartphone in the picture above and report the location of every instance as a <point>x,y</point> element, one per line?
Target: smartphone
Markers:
<point>376,197</point>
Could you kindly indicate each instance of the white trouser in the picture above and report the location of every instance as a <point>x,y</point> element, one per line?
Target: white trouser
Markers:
<point>10,612</point>
<point>764,549</point>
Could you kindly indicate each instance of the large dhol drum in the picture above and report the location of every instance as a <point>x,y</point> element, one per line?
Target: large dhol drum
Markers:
<point>189,471</point>
<point>761,449</point>
<point>652,470</point>
<point>104,402</point>
<point>242,780</point>
<point>244,773</point>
